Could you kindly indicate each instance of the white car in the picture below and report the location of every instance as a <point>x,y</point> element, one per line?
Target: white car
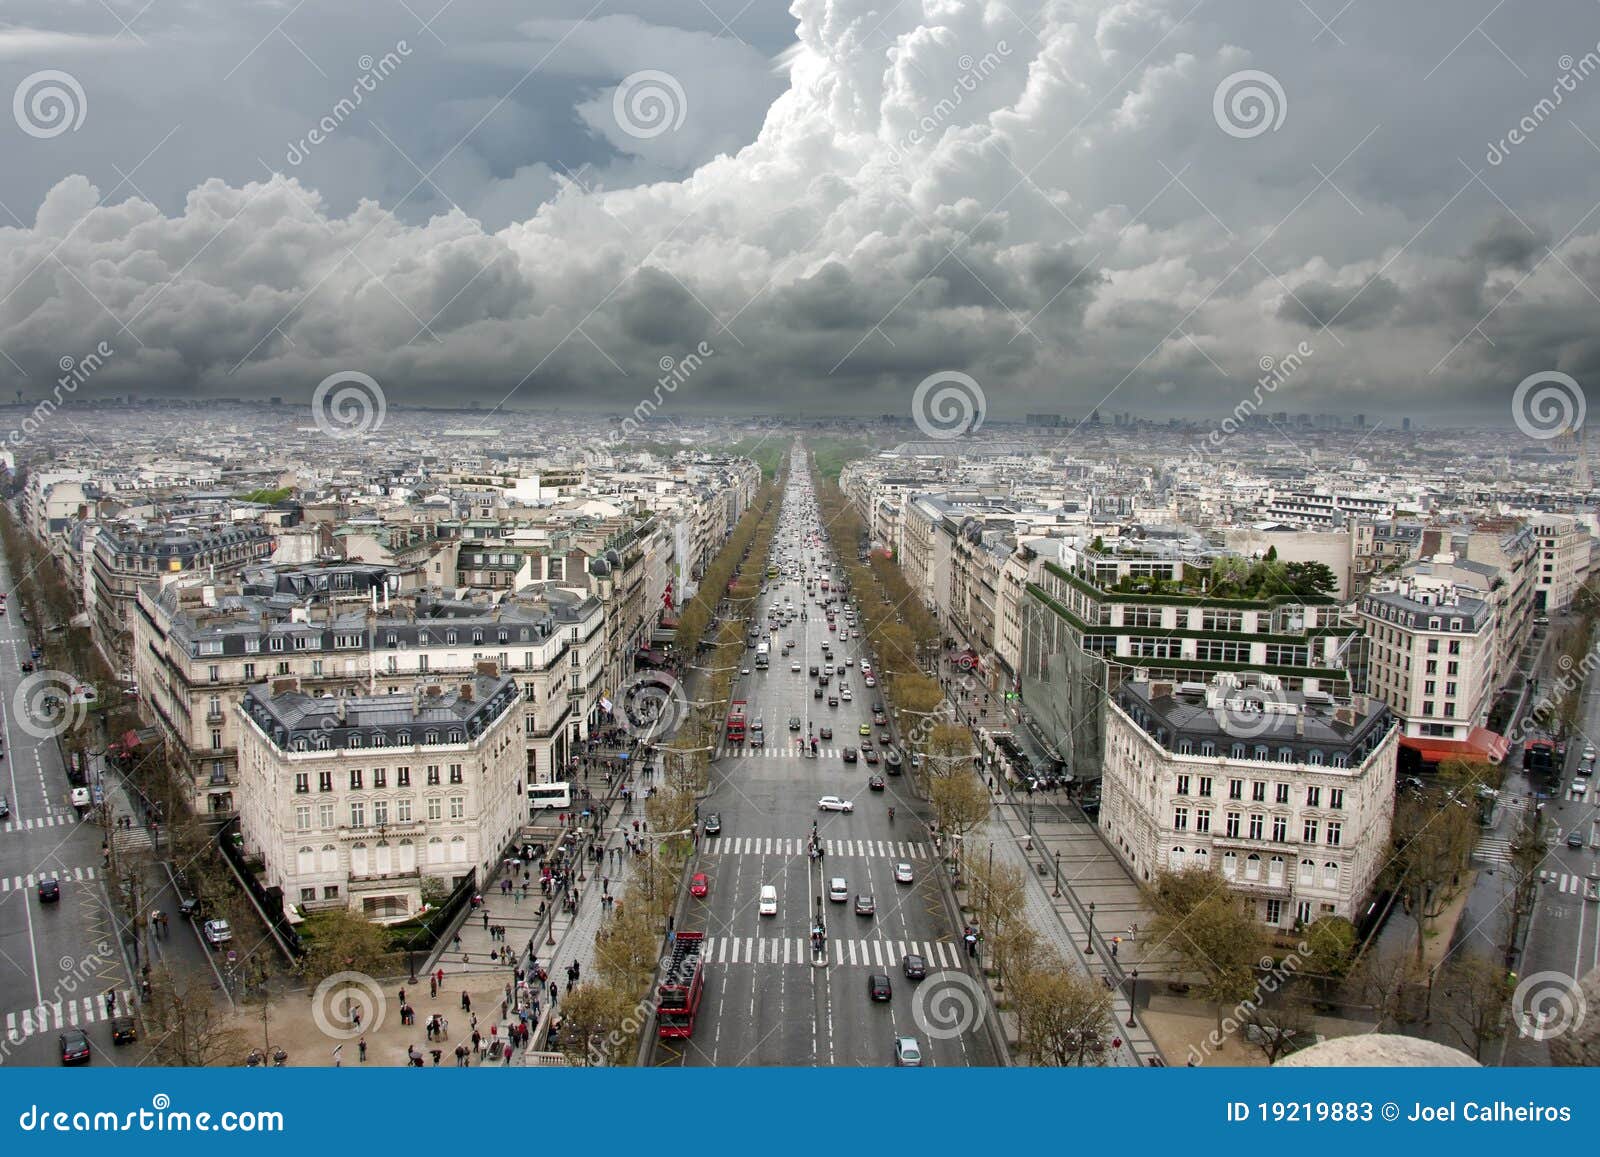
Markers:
<point>795,666</point>
<point>907,1053</point>
<point>871,682</point>
<point>849,661</point>
<point>769,900</point>
<point>832,803</point>
<point>80,797</point>
<point>903,873</point>
<point>844,693</point>
<point>217,932</point>
<point>866,667</point>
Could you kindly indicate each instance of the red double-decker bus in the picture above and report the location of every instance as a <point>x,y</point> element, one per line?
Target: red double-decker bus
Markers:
<point>678,995</point>
<point>736,721</point>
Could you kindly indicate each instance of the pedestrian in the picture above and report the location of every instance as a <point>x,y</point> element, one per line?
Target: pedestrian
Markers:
<point>361,1048</point>
<point>439,975</point>
<point>402,996</point>
<point>486,919</point>
<point>433,988</point>
<point>555,994</point>
<point>466,1001</point>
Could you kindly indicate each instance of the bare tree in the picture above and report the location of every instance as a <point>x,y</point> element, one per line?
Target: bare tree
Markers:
<point>1434,837</point>
<point>185,1027</point>
<point>1475,1001</point>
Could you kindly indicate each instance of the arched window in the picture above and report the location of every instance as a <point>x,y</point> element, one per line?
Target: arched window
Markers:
<point>306,860</point>
<point>1207,748</point>
<point>1314,757</point>
<point>1252,867</point>
<point>1275,870</point>
<point>330,858</point>
<point>358,859</point>
<point>1175,859</point>
<point>456,735</point>
<point>1261,752</point>
<point>1308,872</point>
<point>1185,746</point>
<point>403,739</point>
<point>385,863</point>
<point>436,854</point>
<point>458,849</point>
<point>299,744</point>
<point>1201,857</point>
<point>1285,755</point>
<point>1238,751</point>
<point>379,739</point>
<point>1330,875</point>
<point>1341,760</point>
<point>1230,865</point>
<point>430,737</point>
<point>408,856</point>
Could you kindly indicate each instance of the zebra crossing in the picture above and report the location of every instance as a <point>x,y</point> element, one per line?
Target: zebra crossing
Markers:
<point>26,883</point>
<point>778,846</point>
<point>134,839</point>
<point>73,1013</point>
<point>879,954</point>
<point>1494,850</point>
<point>1565,882</point>
<point>776,751</point>
<point>50,821</point>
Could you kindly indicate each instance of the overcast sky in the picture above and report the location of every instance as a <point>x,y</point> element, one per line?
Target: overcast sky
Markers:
<point>1075,203</point>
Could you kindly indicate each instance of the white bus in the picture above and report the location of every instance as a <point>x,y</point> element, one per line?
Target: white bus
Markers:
<point>543,796</point>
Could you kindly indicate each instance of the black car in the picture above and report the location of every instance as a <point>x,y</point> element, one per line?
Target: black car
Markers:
<point>74,1047</point>
<point>875,783</point>
<point>49,890</point>
<point>124,1030</point>
<point>914,966</point>
<point>878,986</point>
<point>849,755</point>
<point>813,669</point>
<point>816,692</point>
<point>713,824</point>
<point>825,732</point>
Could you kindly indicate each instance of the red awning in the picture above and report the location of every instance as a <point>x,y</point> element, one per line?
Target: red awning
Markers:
<point>1480,744</point>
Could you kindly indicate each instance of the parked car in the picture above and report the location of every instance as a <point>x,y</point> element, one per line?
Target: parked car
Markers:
<point>217,932</point>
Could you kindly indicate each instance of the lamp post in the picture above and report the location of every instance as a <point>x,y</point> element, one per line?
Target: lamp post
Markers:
<point>1058,873</point>
<point>1133,997</point>
<point>1088,948</point>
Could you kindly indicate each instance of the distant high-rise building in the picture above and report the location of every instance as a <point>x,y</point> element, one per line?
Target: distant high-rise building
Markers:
<point>1405,423</point>
<point>275,400</point>
<point>1361,421</point>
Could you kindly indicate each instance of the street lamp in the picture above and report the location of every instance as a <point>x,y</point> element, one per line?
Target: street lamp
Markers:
<point>1088,949</point>
<point>1133,997</point>
<point>1058,873</point>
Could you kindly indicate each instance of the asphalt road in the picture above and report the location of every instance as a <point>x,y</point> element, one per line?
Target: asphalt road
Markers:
<point>766,1002</point>
<point>57,960</point>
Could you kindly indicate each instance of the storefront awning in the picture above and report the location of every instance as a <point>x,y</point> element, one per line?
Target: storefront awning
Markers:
<point>1480,744</point>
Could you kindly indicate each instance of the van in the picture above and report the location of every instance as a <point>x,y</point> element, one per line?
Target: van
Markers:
<point>769,900</point>
<point>838,890</point>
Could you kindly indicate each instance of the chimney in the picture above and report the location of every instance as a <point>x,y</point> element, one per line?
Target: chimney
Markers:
<point>466,692</point>
<point>1160,690</point>
<point>1300,725</point>
<point>489,668</point>
<point>285,686</point>
<point>340,710</point>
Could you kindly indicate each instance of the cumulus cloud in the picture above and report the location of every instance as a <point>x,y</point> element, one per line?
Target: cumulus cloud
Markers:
<point>1040,194</point>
